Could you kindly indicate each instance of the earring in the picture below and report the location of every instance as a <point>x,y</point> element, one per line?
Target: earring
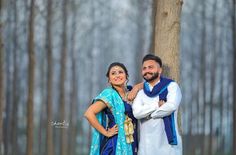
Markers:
<point>108,82</point>
<point>126,83</point>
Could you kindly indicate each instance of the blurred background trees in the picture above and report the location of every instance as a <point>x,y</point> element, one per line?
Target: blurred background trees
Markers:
<point>54,56</point>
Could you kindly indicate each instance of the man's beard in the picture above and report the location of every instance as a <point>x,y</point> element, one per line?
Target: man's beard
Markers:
<point>153,77</point>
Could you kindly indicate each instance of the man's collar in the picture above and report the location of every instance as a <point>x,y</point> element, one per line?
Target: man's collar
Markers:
<point>151,87</point>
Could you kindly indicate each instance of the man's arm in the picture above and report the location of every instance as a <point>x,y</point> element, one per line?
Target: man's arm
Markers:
<point>173,100</point>
<point>140,109</point>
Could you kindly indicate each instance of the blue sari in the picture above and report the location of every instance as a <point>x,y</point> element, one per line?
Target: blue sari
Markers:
<point>115,103</point>
<point>108,145</point>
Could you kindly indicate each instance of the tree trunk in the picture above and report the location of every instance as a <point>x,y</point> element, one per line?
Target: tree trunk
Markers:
<point>73,108</point>
<point>15,83</point>
<point>167,31</point>
<point>31,65</point>
<point>166,43</point>
<point>1,79</point>
<point>234,80</point>
<point>42,125</point>
<point>63,141</point>
<point>203,74</point>
<point>8,99</point>
<point>154,10</point>
<point>221,145</point>
<point>49,141</point>
<point>213,75</point>
<point>74,89</point>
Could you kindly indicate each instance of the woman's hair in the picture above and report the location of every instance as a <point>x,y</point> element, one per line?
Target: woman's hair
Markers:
<point>117,64</point>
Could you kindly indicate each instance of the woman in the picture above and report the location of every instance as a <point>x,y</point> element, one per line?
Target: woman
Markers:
<point>114,126</point>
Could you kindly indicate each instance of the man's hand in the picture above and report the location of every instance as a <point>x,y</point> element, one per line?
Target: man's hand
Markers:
<point>161,102</point>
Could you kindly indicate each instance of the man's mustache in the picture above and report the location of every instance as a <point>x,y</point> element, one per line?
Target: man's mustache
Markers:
<point>148,73</point>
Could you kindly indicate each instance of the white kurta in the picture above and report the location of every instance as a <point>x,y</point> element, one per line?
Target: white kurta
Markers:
<point>153,139</point>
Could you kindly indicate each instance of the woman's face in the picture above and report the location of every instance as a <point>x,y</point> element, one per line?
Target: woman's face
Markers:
<point>117,76</point>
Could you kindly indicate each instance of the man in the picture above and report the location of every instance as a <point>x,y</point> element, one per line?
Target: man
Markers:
<point>156,106</point>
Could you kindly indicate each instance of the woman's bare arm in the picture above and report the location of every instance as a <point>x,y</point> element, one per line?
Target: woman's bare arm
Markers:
<point>132,94</point>
<point>90,115</point>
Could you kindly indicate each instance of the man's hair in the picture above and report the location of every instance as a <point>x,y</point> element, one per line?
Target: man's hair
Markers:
<point>152,57</point>
<point>117,64</point>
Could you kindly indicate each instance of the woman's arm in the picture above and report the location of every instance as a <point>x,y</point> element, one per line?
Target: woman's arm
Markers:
<point>133,93</point>
<point>90,114</point>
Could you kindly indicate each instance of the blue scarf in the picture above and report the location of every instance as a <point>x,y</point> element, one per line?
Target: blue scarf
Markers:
<point>114,101</point>
<point>161,90</point>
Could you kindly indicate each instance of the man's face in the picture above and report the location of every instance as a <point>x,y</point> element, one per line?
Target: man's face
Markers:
<point>151,70</point>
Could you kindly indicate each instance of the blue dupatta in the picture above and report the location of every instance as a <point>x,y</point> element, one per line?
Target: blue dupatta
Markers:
<point>112,99</point>
<point>161,90</point>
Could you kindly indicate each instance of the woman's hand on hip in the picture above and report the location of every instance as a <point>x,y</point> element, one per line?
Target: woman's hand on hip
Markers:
<point>112,131</point>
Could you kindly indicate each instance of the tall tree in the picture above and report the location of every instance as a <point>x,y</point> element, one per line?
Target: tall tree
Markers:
<point>234,80</point>
<point>153,20</point>
<point>221,146</point>
<point>63,140</point>
<point>49,143</point>
<point>15,97</point>
<point>74,86</point>
<point>213,75</point>
<point>31,68</point>
<point>167,30</point>
<point>166,40</point>
<point>73,106</point>
<point>9,76</point>
<point>1,77</point>
<point>202,80</point>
